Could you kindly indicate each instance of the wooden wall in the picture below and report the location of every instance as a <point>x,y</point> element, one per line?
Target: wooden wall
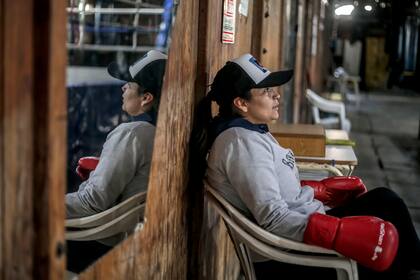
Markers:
<point>217,259</point>
<point>182,238</point>
<point>32,139</point>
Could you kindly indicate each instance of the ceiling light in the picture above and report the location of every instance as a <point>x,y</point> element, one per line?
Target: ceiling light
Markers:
<point>368,8</point>
<point>345,10</point>
<point>383,5</point>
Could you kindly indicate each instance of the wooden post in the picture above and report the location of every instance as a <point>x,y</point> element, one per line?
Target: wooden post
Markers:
<point>316,68</point>
<point>271,38</point>
<point>300,67</point>
<point>50,137</point>
<point>288,51</point>
<point>304,109</point>
<point>16,136</point>
<point>32,139</point>
<point>160,249</point>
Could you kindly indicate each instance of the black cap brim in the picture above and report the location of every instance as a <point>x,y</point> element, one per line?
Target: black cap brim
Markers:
<point>115,71</point>
<point>275,79</point>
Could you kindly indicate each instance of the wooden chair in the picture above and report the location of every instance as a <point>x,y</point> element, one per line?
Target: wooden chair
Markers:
<point>337,108</point>
<point>120,218</point>
<point>247,236</point>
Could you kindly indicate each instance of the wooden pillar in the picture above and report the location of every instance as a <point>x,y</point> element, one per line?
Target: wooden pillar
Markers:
<point>304,109</point>
<point>271,38</point>
<point>50,137</point>
<point>16,136</point>
<point>288,55</point>
<point>300,71</point>
<point>32,139</point>
<point>316,69</point>
<point>160,249</point>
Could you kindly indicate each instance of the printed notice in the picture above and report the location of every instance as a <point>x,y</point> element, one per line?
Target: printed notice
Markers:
<point>228,29</point>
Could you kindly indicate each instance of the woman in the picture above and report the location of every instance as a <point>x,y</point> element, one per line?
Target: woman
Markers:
<point>123,168</point>
<point>259,177</point>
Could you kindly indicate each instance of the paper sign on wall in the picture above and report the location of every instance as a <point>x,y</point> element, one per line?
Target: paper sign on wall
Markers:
<point>228,29</point>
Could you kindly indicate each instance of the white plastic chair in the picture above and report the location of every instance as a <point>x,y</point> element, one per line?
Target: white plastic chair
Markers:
<point>321,104</point>
<point>344,80</point>
<point>120,218</point>
<point>246,236</point>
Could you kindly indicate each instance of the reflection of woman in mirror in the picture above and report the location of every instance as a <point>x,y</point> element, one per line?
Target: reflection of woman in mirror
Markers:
<point>124,163</point>
<point>258,176</point>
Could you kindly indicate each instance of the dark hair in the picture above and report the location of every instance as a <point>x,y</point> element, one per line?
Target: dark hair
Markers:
<point>202,137</point>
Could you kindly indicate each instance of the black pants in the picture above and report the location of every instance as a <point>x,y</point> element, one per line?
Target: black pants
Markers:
<point>81,254</point>
<point>382,203</point>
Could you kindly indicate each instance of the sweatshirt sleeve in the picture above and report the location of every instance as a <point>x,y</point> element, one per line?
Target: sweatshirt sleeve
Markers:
<point>251,171</point>
<point>120,157</point>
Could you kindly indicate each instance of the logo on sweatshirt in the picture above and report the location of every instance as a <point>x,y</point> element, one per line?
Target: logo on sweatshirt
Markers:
<point>289,160</point>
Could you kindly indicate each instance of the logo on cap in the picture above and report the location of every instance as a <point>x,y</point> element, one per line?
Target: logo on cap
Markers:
<point>254,61</point>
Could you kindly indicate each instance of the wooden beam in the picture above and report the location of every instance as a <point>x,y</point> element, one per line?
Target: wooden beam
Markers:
<point>16,184</point>
<point>32,138</point>
<point>271,39</point>
<point>304,109</point>
<point>257,26</point>
<point>2,234</point>
<point>159,251</point>
<point>316,51</point>
<point>50,138</point>
<point>289,24</point>
<point>299,74</point>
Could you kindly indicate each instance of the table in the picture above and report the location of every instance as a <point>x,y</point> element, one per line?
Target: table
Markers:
<point>339,157</point>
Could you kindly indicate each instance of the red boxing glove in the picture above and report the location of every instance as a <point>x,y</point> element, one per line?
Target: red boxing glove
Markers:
<point>336,191</point>
<point>85,166</point>
<point>370,241</point>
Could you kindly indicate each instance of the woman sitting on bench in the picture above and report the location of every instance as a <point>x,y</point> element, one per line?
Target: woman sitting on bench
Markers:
<point>250,169</point>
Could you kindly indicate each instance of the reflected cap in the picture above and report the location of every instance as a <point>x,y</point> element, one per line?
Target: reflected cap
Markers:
<point>148,71</point>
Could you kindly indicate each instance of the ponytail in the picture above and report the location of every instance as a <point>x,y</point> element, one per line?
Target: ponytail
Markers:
<point>202,135</point>
<point>200,141</point>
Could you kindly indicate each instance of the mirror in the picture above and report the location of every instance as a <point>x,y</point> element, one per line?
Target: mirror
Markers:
<point>116,60</point>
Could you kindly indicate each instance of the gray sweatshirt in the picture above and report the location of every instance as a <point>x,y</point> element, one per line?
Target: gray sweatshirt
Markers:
<point>259,177</point>
<point>123,170</point>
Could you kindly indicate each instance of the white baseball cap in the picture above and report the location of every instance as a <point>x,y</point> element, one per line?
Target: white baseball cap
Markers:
<point>245,73</point>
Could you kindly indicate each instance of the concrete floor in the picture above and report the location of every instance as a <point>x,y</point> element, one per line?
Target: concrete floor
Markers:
<point>386,130</point>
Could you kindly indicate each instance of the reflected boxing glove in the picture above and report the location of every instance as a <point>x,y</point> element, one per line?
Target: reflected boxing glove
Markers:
<point>85,166</point>
<point>370,241</point>
<point>336,191</point>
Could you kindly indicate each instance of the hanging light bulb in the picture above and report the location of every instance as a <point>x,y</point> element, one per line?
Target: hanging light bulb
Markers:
<point>368,8</point>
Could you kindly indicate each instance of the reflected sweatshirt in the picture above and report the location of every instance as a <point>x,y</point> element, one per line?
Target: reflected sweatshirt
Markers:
<point>123,170</point>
